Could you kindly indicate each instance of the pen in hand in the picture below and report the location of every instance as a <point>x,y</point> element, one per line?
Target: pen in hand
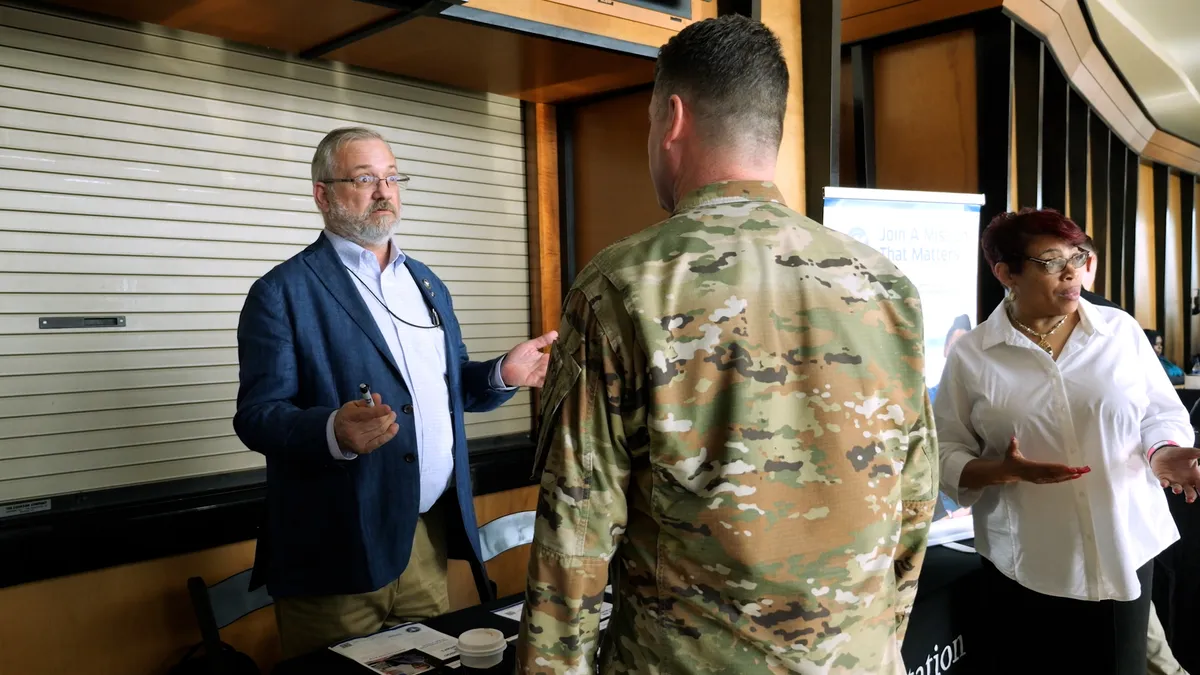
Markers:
<point>365,390</point>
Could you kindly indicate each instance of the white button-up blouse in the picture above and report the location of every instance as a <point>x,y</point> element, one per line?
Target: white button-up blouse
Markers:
<point>1104,403</point>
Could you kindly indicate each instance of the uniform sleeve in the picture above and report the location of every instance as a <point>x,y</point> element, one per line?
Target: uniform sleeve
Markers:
<point>919,493</point>
<point>582,510</point>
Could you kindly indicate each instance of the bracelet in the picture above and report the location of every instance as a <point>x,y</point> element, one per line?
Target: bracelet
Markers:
<point>1161,444</point>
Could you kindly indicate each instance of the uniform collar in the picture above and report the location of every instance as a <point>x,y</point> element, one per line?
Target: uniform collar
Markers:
<point>730,192</point>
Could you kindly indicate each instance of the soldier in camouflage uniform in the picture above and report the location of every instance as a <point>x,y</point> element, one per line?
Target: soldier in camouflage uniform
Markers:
<point>735,425</point>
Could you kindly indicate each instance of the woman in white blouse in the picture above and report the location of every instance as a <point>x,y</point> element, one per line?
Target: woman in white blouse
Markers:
<point>1058,426</point>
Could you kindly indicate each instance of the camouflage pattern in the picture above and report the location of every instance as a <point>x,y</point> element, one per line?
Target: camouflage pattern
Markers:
<point>735,426</point>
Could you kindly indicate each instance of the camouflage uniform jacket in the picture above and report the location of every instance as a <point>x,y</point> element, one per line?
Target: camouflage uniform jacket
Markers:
<point>736,425</point>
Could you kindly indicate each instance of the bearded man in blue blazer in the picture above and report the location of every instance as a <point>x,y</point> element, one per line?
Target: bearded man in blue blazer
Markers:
<point>366,499</point>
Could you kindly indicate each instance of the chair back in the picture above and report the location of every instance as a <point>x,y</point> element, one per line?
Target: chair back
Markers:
<point>220,605</point>
<point>505,533</point>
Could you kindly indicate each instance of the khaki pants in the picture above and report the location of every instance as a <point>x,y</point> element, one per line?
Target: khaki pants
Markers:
<point>1160,660</point>
<point>309,623</point>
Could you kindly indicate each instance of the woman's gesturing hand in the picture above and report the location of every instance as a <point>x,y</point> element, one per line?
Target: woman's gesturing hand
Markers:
<point>1177,468</point>
<point>1018,468</point>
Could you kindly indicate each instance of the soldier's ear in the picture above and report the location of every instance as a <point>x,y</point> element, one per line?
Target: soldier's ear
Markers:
<point>678,118</point>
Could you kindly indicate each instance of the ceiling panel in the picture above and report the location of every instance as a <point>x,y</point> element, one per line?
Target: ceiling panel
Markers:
<point>479,58</point>
<point>1156,47</point>
<point>287,25</point>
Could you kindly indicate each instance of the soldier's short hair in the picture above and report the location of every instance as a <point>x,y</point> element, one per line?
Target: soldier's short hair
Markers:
<point>731,72</point>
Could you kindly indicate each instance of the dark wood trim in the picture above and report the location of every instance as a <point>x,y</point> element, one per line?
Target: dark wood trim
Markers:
<point>541,203</point>
<point>1077,157</point>
<point>1027,57</point>
<point>566,198</point>
<point>604,95</point>
<point>994,73</point>
<point>1098,137</point>
<point>1116,222</point>
<point>1161,179</point>
<point>1054,135</point>
<point>1131,206</point>
<point>821,54</point>
<point>406,10</point>
<point>105,528</point>
<point>1187,225</point>
<point>536,28</point>
<point>862,63</point>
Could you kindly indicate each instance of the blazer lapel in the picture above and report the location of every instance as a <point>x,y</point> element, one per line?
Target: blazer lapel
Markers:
<point>324,262</point>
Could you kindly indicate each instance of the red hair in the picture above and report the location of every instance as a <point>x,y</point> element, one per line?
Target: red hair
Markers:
<point>1005,239</point>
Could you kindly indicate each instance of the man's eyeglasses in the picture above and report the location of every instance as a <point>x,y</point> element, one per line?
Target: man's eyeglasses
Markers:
<point>367,181</point>
<point>1056,265</point>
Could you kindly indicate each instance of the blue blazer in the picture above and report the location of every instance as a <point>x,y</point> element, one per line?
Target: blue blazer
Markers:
<point>305,341</point>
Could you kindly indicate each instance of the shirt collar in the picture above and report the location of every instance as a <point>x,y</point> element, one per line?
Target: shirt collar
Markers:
<point>1000,329</point>
<point>730,192</point>
<point>353,255</point>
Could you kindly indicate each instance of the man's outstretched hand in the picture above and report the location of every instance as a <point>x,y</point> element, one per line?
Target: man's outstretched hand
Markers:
<point>526,364</point>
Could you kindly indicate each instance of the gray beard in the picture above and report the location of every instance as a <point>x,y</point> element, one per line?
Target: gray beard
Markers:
<point>360,228</point>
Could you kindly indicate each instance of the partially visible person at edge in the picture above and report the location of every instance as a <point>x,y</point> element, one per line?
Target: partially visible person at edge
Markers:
<point>1174,372</point>
<point>958,328</point>
<point>1089,276</point>
<point>735,424</point>
<point>1057,426</point>
<point>365,502</point>
<point>1160,660</point>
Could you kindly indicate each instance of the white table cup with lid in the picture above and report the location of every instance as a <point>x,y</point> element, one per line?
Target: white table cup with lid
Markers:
<point>481,648</point>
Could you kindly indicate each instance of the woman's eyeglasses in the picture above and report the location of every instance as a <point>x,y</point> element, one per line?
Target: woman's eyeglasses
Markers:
<point>1056,265</point>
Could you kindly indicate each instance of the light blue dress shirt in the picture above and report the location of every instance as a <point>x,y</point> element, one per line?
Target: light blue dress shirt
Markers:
<point>419,352</point>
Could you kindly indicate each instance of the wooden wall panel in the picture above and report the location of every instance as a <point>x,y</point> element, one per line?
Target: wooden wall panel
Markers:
<point>925,115</point>
<point>128,619</point>
<point>783,18</point>
<point>993,44</point>
<point>864,19</point>
<point>1173,294</point>
<point>847,148</point>
<point>1187,197</point>
<point>137,619</point>
<point>614,197</point>
<point>1144,275</point>
<point>541,185</point>
<point>1078,205</point>
<point>1159,196</point>
<point>1054,136</point>
<point>1098,185</point>
<point>1131,223</point>
<point>1116,223</point>
<point>1027,118</point>
<point>481,58</point>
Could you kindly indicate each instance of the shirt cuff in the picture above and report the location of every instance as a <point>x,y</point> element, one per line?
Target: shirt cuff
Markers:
<point>331,441</point>
<point>497,381</point>
<point>1161,444</point>
<point>952,468</point>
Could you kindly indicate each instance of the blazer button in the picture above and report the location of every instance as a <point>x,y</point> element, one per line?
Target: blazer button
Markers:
<point>410,458</point>
<point>407,409</point>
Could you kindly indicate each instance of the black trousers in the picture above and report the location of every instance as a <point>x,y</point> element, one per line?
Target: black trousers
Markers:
<point>1029,632</point>
<point>1177,584</point>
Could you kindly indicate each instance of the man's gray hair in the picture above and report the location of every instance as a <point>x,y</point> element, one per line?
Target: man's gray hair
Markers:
<point>327,150</point>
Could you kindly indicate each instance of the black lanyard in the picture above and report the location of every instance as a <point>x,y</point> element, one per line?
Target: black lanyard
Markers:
<point>433,315</point>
